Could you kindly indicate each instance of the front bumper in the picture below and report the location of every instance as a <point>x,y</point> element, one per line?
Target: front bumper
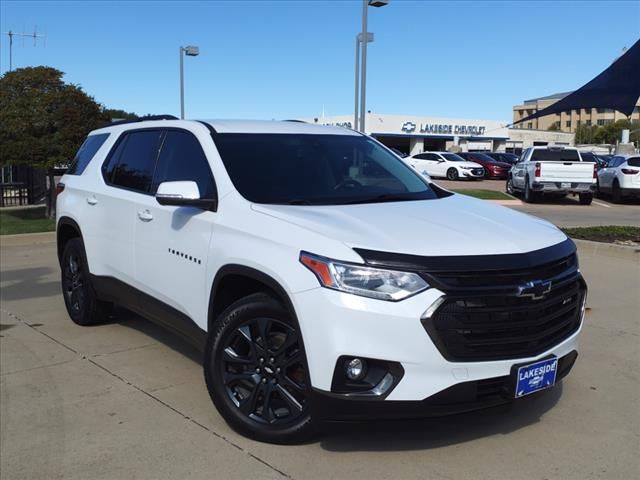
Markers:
<point>473,173</point>
<point>459,398</point>
<point>335,324</point>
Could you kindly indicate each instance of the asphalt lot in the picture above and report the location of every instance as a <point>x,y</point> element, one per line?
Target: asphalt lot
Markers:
<point>566,212</point>
<point>127,400</point>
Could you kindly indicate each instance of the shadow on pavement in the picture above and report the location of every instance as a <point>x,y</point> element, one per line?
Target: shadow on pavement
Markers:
<point>161,335</point>
<point>425,434</point>
<point>27,283</point>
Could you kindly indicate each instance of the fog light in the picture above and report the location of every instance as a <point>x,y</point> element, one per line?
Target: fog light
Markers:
<point>355,369</point>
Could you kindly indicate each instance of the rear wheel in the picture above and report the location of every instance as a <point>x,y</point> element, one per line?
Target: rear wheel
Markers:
<point>81,301</point>
<point>585,198</point>
<point>256,372</point>
<point>529,195</point>
<point>452,174</point>
<point>616,194</point>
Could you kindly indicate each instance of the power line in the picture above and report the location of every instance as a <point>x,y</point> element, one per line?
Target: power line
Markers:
<point>35,35</point>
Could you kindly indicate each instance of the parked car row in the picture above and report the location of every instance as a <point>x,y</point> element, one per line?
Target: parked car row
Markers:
<point>539,171</point>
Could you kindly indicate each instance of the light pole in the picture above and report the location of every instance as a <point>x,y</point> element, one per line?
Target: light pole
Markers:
<point>189,51</point>
<point>356,110</point>
<point>363,77</point>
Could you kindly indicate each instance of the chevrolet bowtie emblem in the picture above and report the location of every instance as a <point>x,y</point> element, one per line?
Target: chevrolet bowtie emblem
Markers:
<point>536,289</point>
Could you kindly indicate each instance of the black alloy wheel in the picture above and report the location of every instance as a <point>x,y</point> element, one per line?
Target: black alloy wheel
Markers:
<point>256,371</point>
<point>80,299</point>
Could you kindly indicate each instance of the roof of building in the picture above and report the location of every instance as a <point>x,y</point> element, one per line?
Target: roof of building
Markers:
<point>555,96</point>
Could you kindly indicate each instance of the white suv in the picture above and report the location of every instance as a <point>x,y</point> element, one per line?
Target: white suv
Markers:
<point>621,177</point>
<point>445,164</point>
<point>323,277</point>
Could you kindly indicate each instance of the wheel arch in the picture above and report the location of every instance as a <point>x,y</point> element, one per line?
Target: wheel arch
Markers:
<point>66,229</point>
<point>233,282</point>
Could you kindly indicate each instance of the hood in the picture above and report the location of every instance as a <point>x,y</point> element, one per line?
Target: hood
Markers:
<point>454,225</point>
<point>467,164</point>
<point>501,164</point>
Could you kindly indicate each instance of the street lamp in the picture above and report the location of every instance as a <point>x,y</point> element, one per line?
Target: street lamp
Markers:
<point>365,35</point>
<point>189,51</point>
<point>356,110</point>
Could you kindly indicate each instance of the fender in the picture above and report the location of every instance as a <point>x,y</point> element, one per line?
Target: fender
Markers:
<point>73,224</point>
<point>252,273</point>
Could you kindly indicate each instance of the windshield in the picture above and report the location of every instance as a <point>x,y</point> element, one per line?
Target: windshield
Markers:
<point>452,157</point>
<point>317,169</point>
<point>484,157</point>
<point>588,157</point>
<point>560,155</point>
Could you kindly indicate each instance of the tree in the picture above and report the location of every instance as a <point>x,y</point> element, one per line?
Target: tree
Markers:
<point>43,120</point>
<point>111,114</point>
<point>585,134</point>
<point>554,127</point>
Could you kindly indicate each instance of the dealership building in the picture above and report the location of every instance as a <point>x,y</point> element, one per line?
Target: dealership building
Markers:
<point>414,134</point>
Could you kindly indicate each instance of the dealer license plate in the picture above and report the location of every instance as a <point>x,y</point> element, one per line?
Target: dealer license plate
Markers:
<point>536,376</point>
<point>565,185</point>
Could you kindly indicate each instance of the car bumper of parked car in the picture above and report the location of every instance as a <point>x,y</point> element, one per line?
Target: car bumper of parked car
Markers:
<point>563,187</point>
<point>498,174</point>
<point>415,379</point>
<point>475,173</point>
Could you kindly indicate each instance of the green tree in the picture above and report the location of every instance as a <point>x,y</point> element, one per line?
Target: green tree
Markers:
<point>117,114</point>
<point>554,127</point>
<point>585,134</point>
<point>43,120</point>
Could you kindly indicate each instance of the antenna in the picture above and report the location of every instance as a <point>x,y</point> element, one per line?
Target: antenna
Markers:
<point>35,35</point>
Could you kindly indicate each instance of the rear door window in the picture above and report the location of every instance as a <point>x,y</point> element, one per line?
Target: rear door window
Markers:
<point>133,161</point>
<point>182,158</point>
<point>86,152</point>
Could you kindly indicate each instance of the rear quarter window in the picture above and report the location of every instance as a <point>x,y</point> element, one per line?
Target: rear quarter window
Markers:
<point>86,152</point>
<point>634,162</point>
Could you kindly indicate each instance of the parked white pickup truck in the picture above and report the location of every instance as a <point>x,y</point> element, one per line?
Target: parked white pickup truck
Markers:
<point>554,170</point>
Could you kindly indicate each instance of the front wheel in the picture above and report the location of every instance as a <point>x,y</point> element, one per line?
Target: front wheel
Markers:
<point>256,371</point>
<point>452,174</point>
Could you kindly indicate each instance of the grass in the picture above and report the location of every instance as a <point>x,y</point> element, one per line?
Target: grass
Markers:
<point>25,220</point>
<point>483,194</point>
<point>608,234</point>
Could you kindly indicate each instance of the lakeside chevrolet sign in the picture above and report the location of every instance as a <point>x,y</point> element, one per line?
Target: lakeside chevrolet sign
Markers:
<point>444,129</point>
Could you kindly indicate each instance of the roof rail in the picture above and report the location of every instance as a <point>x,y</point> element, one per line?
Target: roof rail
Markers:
<point>144,119</point>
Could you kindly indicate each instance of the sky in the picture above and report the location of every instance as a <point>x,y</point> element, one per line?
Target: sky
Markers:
<point>291,59</point>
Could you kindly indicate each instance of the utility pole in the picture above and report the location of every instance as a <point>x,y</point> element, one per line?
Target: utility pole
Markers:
<point>35,35</point>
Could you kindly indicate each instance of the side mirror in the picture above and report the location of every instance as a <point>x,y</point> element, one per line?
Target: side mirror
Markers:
<point>183,194</point>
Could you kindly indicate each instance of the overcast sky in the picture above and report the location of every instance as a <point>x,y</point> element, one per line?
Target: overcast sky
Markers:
<point>285,59</point>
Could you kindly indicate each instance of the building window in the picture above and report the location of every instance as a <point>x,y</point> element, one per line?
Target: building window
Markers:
<point>608,121</point>
<point>530,125</point>
<point>588,122</point>
<point>604,110</point>
<point>567,124</point>
<point>568,113</point>
<point>600,122</point>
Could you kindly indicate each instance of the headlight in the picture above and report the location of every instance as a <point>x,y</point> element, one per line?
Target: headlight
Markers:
<point>468,168</point>
<point>361,280</point>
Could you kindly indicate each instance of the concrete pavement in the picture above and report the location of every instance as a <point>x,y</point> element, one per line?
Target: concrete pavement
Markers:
<point>564,212</point>
<point>127,400</point>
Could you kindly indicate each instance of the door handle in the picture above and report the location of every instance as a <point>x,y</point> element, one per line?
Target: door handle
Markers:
<point>145,215</point>
<point>92,200</point>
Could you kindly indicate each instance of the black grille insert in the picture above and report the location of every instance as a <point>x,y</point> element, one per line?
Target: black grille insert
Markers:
<point>497,327</point>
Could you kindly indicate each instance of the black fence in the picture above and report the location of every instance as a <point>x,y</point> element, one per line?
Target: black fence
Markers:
<point>13,194</point>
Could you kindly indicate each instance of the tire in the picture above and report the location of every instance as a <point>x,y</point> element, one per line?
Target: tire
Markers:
<point>529,196</point>
<point>616,194</point>
<point>509,186</point>
<point>260,387</point>
<point>585,198</point>
<point>80,299</point>
<point>452,174</point>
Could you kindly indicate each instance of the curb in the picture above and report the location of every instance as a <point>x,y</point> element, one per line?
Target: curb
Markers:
<point>589,247</point>
<point>507,203</point>
<point>27,239</point>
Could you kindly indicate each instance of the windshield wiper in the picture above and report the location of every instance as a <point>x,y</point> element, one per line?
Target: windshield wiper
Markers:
<point>299,201</point>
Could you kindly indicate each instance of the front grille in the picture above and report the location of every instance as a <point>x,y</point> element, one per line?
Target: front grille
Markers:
<point>498,327</point>
<point>478,171</point>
